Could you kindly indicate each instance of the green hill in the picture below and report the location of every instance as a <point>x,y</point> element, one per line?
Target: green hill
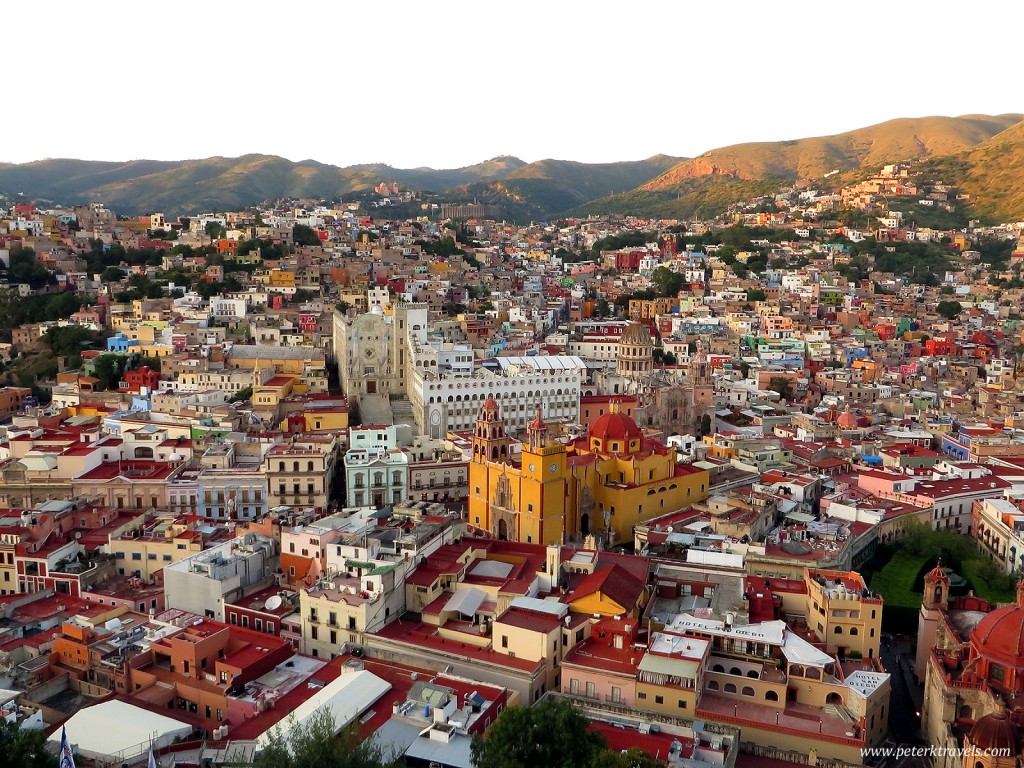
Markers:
<point>983,154</point>
<point>889,142</point>
<point>991,174</point>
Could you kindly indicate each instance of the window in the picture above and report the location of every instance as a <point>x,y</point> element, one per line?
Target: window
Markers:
<point>313,633</point>
<point>504,641</point>
<point>682,703</point>
<point>136,555</point>
<point>659,699</point>
<point>574,686</point>
<point>591,691</point>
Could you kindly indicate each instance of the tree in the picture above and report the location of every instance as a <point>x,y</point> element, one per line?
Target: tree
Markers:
<point>67,341</point>
<point>667,282</point>
<point>214,230</point>
<point>552,734</point>
<point>313,744</point>
<point>705,425</point>
<point>783,386</point>
<point>756,294</point>
<point>111,275</point>
<point>634,757</point>
<point>25,268</point>
<point>25,748</point>
<point>949,309</point>
<point>107,368</point>
<point>241,395</point>
<point>305,235</point>
<point>343,307</point>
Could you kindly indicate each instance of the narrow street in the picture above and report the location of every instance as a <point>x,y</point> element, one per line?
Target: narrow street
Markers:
<point>905,703</point>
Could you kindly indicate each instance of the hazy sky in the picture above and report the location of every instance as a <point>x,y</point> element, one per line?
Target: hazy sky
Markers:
<point>446,84</point>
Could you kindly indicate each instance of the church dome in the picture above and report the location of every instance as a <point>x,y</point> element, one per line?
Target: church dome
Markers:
<point>937,574</point>
<point>636,335</point>
<point>994,733</point>
<point>1000,635</point>
<point>847,420</point>
<point>615,426</point>
<point>490,405</point>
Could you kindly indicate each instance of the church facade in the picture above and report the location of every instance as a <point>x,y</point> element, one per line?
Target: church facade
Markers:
<point>601,484</point>
<point>667,401</point>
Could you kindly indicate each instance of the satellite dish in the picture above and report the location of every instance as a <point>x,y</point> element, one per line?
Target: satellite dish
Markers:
<point>273,603</point>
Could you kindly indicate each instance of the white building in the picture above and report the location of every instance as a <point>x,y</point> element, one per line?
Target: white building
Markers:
<point>202,583</point>
<point>376,469</point>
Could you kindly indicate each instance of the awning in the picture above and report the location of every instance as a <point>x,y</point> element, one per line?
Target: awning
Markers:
<point>799,651</point>
<point>466,601</point>
<point>800,517</point>
<point>666,665</point>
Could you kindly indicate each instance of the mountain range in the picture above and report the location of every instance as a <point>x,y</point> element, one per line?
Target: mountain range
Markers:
<point>982,154</point>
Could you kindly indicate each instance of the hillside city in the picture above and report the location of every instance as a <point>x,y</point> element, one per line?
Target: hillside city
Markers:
<point>745,491</point>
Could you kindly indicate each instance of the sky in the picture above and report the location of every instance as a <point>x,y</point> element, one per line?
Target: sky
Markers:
<point>448,84</point>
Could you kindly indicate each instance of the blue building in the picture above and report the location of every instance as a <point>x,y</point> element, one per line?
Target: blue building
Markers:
<point>121,343</point>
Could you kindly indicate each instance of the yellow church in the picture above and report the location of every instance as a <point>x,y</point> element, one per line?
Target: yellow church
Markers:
<point>600,484</point>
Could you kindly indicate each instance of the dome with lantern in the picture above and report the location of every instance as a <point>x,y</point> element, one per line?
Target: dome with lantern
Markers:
<point>614,432</point>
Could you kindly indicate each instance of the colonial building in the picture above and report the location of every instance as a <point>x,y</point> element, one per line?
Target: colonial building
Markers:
<point>974,676</point>
<point>601,484</point>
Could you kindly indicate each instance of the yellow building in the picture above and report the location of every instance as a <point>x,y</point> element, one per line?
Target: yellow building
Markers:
<point>842,614</point>
<point>281,279</point>
<point>602,483</point>
<point>143,552</point>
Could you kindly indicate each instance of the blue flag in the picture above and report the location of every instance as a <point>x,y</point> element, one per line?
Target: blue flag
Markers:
<point>67,760</point>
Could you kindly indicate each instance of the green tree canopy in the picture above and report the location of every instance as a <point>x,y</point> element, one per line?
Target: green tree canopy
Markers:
<point>25,748</point>
<point>111,274</point>
<point>667,282</point>
<point>313,744</point>
<point>25,268</point>
<point>305,235</point>
<point>756,294</point>
<point>783,386</point>
<point>552,734</point>
<point>214,230</point>
<point>949,309</point>
<point>67,341</point>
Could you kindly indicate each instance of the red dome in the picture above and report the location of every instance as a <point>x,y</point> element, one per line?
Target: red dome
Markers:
<point>937,574</point>
<point>994,733</point>
<point>491,404</point>
<point>847,420</point>
<point>1001,635</point>
<point>615,426</point>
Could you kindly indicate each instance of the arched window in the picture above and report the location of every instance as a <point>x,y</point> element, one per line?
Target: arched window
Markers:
<point>718,668</point>
<point>748,690</point>
<point>735,671</point>
<point>753,673</point>
<point>712,685</point>
<point>853,630</point>
<point>837,631</point>
<point>730,688</point>
<point>771,696</point>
